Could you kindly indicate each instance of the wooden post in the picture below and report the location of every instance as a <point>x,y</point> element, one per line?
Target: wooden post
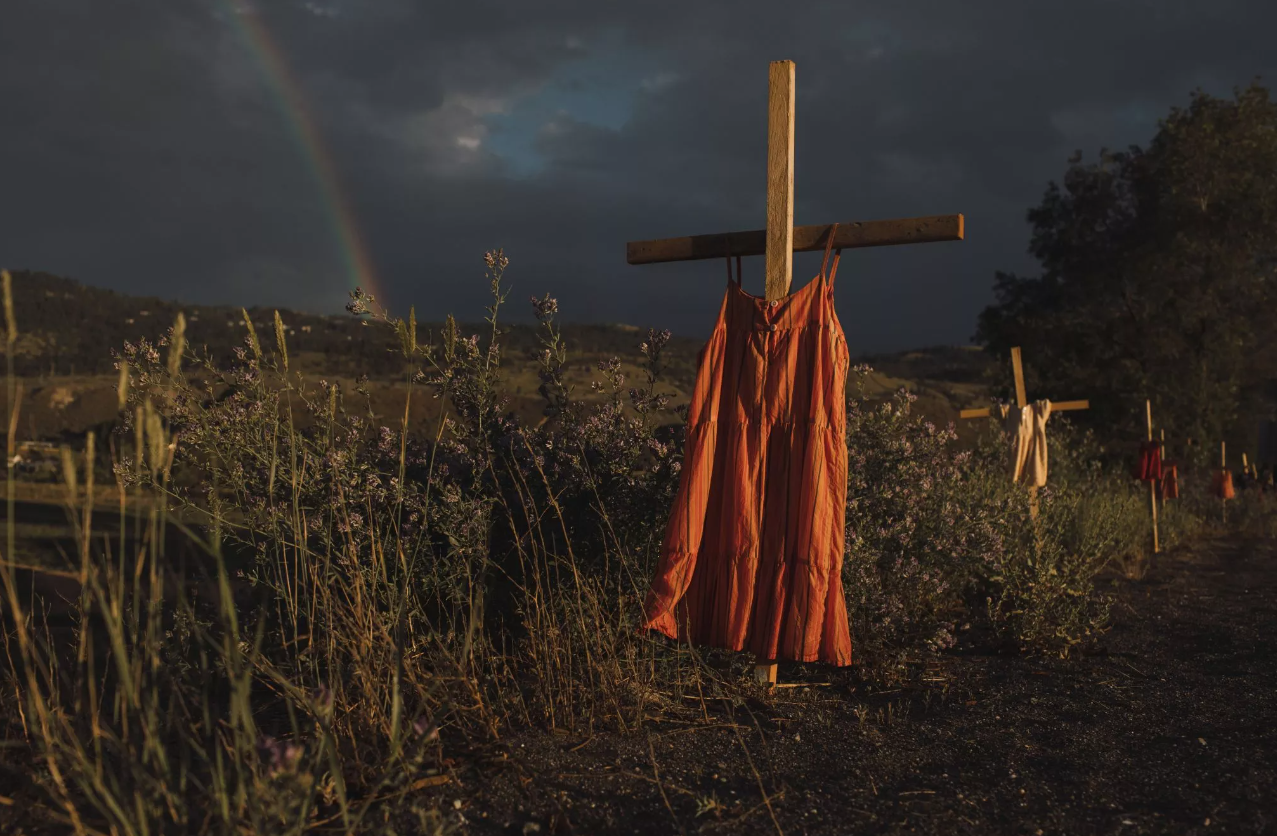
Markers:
<point>780,240</point>
<point>1152,486</point>
<point>1223,465</point>
<point>1017,369</point>
<point>1022,400</point>
<point>779,258</point>
<point>1162,452</point>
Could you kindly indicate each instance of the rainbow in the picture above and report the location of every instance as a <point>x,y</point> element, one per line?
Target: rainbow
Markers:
<point>301,122</point>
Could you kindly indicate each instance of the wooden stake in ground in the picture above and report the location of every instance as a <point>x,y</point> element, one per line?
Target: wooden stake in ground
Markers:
<point>1022,400</point>
<point>1152,486</point>
<point>781,239</point>
<point>1223,466</point>
<point>1162,454</point>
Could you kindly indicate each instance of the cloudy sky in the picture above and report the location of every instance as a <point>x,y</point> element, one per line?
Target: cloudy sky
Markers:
<point>280,151</point>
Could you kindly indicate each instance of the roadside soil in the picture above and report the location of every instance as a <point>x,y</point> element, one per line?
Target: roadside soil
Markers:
<point>1169,725</point>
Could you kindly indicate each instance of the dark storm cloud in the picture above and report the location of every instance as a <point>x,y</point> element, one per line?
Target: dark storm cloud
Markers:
<point>144,150</point>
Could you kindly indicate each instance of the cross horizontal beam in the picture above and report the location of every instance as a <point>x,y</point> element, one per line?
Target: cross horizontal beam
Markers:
<point>1062,406</point>
<point>806,239</point>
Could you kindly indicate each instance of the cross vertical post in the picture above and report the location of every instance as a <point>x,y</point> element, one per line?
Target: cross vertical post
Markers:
<point>779,257</point>
<point>780,179</point>
<point>1152,485</point>
<point>1017,368</point>
<point>1022,400</point>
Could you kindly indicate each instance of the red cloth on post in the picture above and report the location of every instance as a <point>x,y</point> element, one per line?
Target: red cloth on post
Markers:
<point>1149,468</point>
<point>1222,485</point>
<point>1170,480</point>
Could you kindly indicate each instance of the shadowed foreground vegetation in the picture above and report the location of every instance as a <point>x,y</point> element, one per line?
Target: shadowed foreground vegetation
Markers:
<point>350,613</point>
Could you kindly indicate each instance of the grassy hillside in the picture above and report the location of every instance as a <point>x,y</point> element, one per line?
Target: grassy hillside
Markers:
<point>67,331</point>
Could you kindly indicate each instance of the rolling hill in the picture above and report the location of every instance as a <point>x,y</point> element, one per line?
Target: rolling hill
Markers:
<point>67,332</point>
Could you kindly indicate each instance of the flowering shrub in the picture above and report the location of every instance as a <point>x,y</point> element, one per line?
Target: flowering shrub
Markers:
<point>939,538</point>
<point>912,541</point>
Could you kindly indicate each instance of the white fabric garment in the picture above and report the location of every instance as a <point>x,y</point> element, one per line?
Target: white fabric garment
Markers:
<point>1027,429</point>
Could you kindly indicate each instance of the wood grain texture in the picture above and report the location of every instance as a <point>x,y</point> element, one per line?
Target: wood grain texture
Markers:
<point>765,673</point>
<point>1021,399</point>
<point>1061,406</point>
<point>849,235</point>
<point>780,179</point>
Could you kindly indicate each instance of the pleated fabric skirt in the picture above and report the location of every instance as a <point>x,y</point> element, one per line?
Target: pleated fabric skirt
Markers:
<point>752,555</point>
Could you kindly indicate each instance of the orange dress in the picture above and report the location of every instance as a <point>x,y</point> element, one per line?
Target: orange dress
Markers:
<point>1170,480</point>
<point>1222,484</point>
<point>753,551</point>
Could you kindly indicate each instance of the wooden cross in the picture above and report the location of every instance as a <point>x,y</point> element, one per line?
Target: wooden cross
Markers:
<point>1022,400</point>
<point>1223,466</point>
<point>1152,486</point>
<point>1248,468</point>
<point>781,239</point>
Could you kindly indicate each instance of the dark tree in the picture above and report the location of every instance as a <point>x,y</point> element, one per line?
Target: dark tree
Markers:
<point>1158,269</point>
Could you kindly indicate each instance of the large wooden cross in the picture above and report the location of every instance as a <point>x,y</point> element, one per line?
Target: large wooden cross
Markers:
<point>781,239</point>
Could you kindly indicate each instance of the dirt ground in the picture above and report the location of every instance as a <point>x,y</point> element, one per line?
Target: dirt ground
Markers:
<point>1168,726</point>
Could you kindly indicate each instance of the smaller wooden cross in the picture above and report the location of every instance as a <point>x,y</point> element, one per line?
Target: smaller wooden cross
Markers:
<point>1022,400</point>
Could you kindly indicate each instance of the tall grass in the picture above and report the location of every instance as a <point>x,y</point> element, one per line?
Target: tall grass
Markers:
<point>347,603</point>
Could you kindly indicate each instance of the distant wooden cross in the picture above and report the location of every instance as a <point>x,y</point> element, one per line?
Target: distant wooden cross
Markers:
<point>1223,466</point>
<point>781,239</point>
<point>1152,486</point>
<point>1022,400</point>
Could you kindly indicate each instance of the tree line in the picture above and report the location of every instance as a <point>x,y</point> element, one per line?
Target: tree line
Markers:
<point>1157,278</point>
